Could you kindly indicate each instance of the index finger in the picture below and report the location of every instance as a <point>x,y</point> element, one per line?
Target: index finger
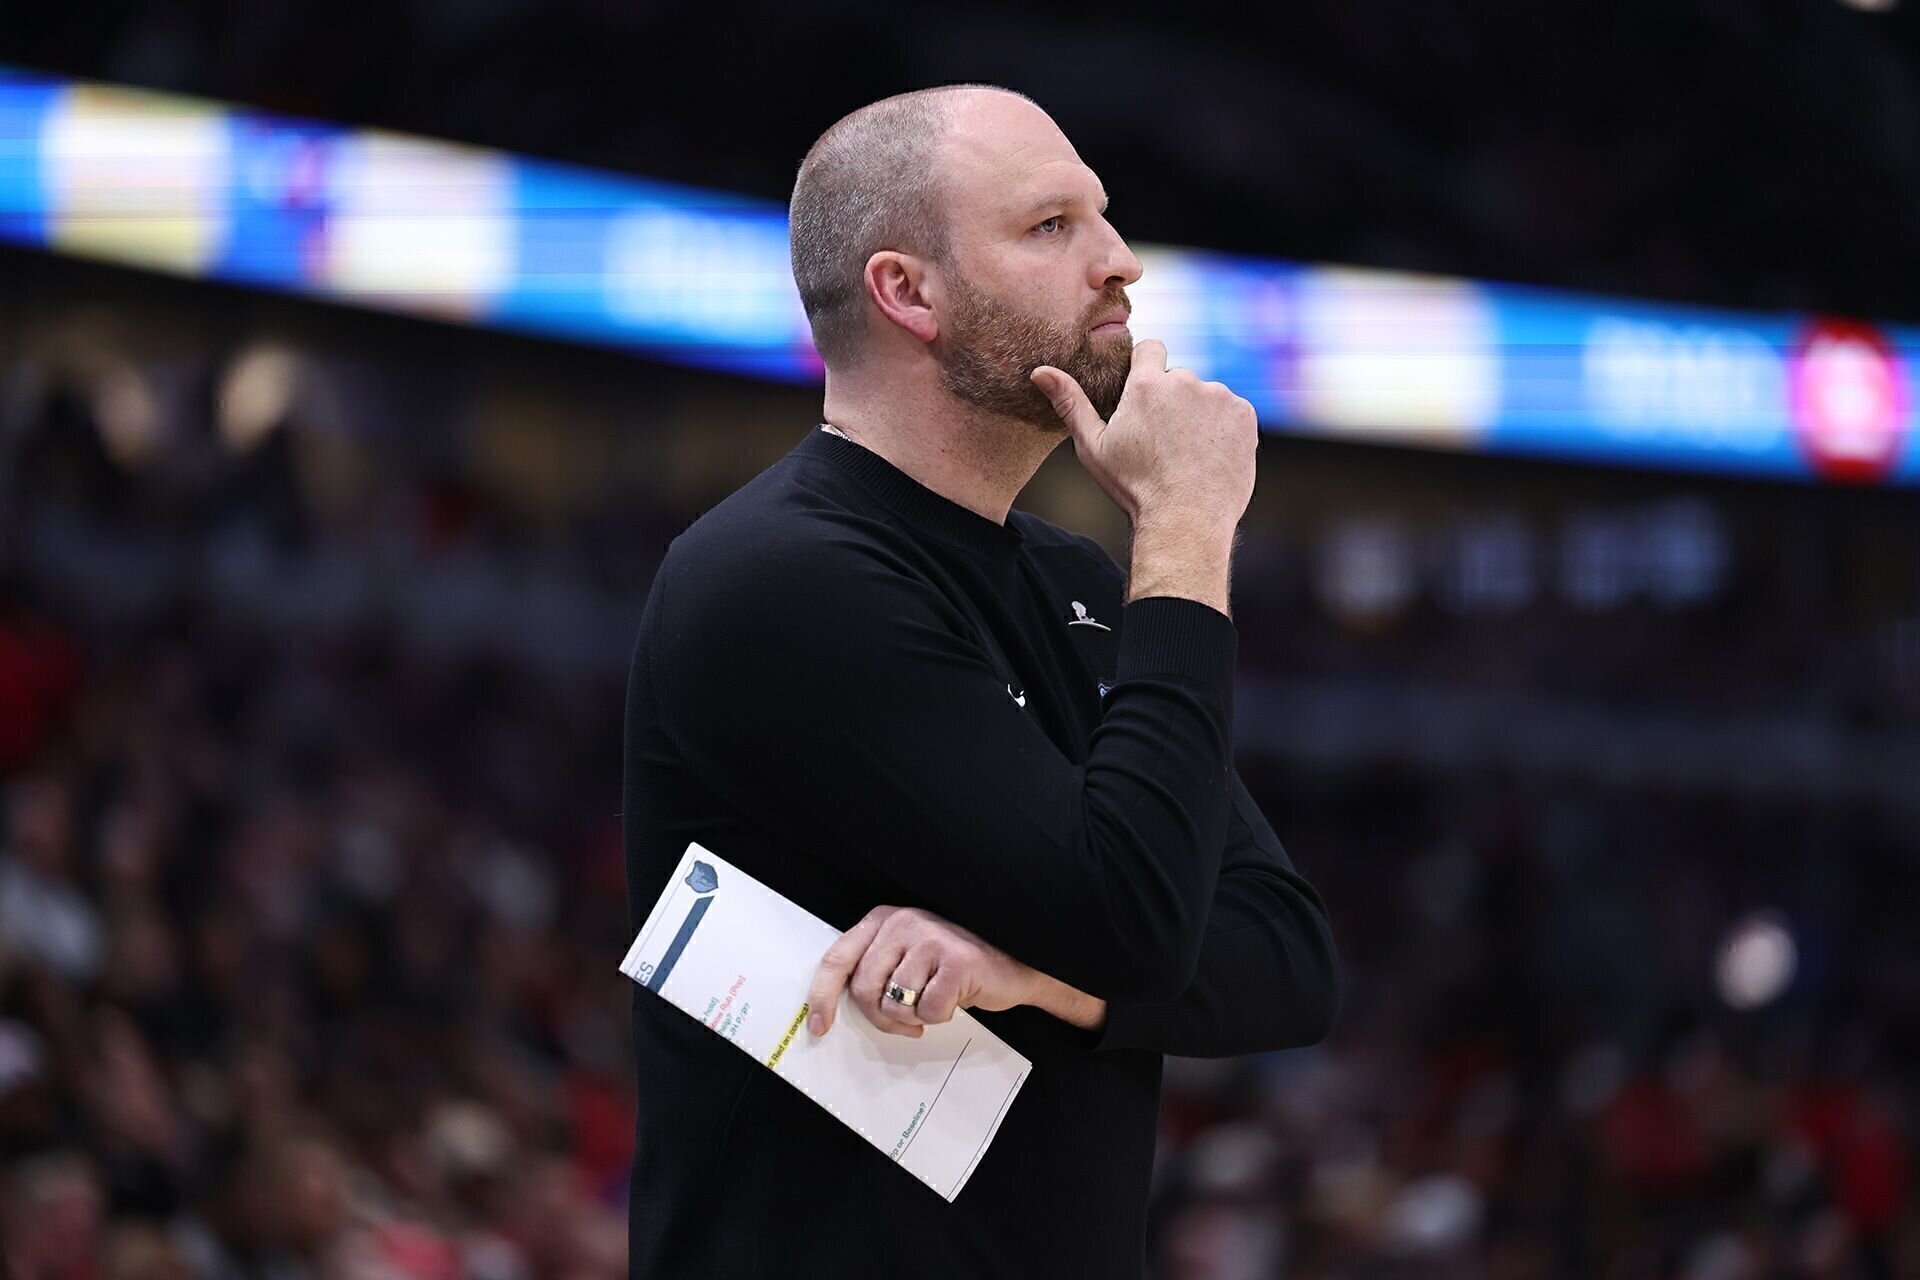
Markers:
<point>1150,353</point>
<point>836,966</point>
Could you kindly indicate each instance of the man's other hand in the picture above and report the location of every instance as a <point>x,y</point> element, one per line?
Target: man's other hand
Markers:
<point>950,967</point>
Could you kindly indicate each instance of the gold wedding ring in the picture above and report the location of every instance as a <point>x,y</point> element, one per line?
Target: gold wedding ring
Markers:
<point>905,995</point>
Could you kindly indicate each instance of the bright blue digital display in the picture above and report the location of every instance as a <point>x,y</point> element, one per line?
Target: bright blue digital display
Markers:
<point>461,233</point>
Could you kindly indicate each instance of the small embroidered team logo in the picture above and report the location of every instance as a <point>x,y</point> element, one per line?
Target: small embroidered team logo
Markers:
<point>1105,688</point>
<point>1081,618</point>
<point>1019,699</point>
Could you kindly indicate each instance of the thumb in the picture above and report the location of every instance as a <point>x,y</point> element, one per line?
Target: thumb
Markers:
<point>1068,400</point>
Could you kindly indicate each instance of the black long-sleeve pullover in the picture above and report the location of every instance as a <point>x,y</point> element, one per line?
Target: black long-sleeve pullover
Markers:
<point>860,692</point>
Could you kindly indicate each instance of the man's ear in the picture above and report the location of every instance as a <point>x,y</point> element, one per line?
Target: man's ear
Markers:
<point>899,285</point>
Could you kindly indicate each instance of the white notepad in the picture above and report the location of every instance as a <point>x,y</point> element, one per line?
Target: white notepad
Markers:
<point>727,950</point>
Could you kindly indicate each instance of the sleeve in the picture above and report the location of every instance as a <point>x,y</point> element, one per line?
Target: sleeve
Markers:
<point>1267,977</point>
<point>825,680</point>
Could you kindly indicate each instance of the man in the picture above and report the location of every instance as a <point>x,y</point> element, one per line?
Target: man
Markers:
<point>959,732</point>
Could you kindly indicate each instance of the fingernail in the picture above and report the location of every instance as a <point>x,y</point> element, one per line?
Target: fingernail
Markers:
<point>818,1024</point>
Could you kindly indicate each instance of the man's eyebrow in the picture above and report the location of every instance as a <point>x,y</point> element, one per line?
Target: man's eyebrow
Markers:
<point>1057,201</point>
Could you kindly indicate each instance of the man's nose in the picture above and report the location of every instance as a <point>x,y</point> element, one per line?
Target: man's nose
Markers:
<point>1116,264</point>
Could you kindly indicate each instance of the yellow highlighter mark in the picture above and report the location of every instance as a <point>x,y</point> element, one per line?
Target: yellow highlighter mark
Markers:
<point>793,1029</point>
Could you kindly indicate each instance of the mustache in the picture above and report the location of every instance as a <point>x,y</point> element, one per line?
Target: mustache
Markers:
<point>1114,297</point>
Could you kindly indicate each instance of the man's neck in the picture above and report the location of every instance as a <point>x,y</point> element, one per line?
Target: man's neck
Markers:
<point>979,460</point>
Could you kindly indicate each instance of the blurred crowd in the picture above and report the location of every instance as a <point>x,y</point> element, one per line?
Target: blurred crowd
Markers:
<point>1553,1062</point>
<point>276,1009</point>
<point>311,898</point>
<point>307,933</point>
<point>275,1002</point>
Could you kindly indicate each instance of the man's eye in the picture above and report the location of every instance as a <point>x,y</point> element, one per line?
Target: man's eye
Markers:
<point>1046,227</point>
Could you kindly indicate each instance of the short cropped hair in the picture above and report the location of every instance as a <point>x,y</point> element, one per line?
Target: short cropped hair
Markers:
<point>871,182</point>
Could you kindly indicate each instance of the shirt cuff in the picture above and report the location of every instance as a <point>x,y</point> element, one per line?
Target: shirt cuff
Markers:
<point>1174,636</point>
<point>1128,1026</point>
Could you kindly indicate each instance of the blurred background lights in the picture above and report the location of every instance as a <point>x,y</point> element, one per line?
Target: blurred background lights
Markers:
<point>1366,571</point>
<point>128,414</point>
<point>1757,960</point>
<point>256,395</point>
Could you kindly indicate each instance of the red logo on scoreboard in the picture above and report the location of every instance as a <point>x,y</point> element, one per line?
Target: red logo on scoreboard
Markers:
<point>1849,400</point>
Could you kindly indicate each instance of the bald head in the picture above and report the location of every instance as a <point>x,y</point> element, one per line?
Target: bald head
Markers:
<point>872,182</point>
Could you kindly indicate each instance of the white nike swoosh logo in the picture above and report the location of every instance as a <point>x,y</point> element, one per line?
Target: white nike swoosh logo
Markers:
<point>1088,622</point>
<point>1020,698</point>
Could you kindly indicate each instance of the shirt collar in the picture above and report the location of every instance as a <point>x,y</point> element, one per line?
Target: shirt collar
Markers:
<point>918,505</point>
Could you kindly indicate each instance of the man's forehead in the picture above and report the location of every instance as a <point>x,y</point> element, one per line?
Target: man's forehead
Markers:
<point>1004,154</point>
